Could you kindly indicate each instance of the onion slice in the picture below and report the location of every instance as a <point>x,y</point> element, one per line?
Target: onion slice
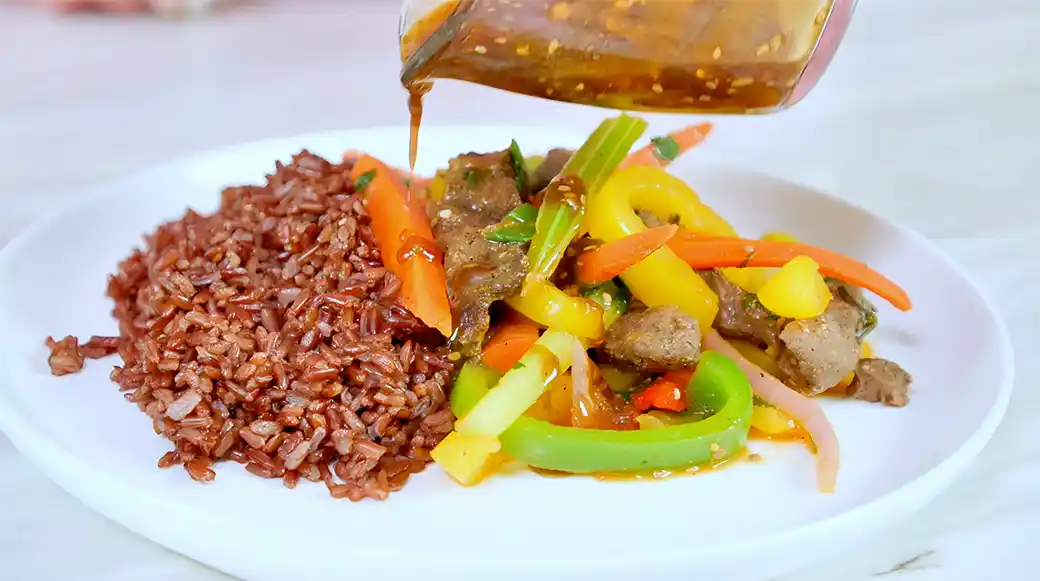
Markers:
<point>806,411</point>
<point>583,412</point>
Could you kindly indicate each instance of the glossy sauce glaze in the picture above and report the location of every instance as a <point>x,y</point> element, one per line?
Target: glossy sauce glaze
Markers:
<point>741,455</point>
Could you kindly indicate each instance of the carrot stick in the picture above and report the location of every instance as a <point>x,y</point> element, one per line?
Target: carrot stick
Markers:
<point>702,252</point>
<point>509,343</point>
<point>419,182</point>
<point>663,150</point>
<point>666,393</point>
<point>613,258</point>
<point>405,242</point>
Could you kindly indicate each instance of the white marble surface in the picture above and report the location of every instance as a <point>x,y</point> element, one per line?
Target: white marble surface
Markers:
<point>930,114</point>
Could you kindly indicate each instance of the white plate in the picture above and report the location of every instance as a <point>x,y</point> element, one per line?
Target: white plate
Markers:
<point>750,521</point>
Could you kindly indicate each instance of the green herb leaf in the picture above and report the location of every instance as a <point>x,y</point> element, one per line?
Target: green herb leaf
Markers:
<point>517,227</point>
<point>665,148</point>
<point>518,365</point>
<point>510,234</point>
<point>473,177</point>
<point>750,302</point>
<point>613,297</point>
<point>363,180</point>
<point>523,174</point>
<point>523,214</point>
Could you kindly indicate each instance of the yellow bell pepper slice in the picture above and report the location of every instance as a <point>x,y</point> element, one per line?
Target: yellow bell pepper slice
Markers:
<point>759,357</point>
<point>549,306</point>
<point>797,290</point>
<point>780,237</point>
<point>661,278</point>
<point>771,421</point>
<point>753,277</point>
<point>465,456</point>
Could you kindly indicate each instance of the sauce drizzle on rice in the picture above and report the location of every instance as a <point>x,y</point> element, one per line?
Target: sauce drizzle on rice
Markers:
<point>269,333</point>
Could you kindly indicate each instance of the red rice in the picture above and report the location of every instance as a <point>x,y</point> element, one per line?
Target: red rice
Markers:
<point>270,334</point>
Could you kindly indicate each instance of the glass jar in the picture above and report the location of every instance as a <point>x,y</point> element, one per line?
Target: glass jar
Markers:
<point>697,56</point>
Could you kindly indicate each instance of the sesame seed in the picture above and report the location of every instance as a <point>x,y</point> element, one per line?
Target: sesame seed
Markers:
<point>445,213</point>
<point>731,91</point>
<point>774,43</point>
<point>761,50</point>
<point>742,82</point>
<point>501,40</point>
<point>523,49</point>
<point>704,98</point>
<point>579,87</point>
<point>717,54</point>
<point>542,79</point>
<point>687,99</point>
<point>560,11</point>
<point>454,356</point>
<point>554,45</point>
<point>657,88</point>
<point>701,74</point>
<point>480,49</point>
<point>711,85</point>
<point>563,188</point>
<point>676,393</point>
<point>549,91</point>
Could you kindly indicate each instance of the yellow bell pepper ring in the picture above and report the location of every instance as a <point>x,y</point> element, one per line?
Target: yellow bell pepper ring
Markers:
<point>547,305</point>
<point>661,278</point>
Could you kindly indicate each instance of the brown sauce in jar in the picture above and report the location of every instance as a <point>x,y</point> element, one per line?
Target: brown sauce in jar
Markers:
<point>678,56</point>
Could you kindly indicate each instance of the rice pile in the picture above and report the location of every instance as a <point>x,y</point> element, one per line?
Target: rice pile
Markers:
<point>269,334</point>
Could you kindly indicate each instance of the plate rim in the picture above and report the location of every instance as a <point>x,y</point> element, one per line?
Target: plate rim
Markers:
<point>917,491</point>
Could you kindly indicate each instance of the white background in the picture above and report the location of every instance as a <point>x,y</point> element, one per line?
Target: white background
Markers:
<point>930,114</point>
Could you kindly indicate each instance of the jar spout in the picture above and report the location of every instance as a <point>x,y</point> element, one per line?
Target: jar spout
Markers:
<point>422,46</point>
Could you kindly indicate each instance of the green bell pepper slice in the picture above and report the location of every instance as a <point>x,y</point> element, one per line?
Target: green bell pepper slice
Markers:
<point>718,385</point>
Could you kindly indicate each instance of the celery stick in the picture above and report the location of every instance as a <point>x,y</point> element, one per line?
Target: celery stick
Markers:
<point>519,388</point>
<point>560,217</point>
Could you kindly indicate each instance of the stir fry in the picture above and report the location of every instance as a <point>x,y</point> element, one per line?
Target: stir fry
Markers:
<point>609,321</point>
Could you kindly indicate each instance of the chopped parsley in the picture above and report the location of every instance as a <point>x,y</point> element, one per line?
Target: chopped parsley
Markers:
<point>665,148</point>
<point>363,180</point>
<point>473,177</point>
<point>520,169</point>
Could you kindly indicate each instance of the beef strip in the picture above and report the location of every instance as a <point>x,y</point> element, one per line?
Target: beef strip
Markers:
<point>740,315</point>
<point>655,340</point>
<point>550,167</point>
<point>818,353</point>
<point>479,191</point>
<point>881,380</point>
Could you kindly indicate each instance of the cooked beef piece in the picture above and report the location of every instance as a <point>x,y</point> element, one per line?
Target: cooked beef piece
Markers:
<point>740,315</point>
<point>881,380</point>
<point>550,167</point>
<point>479,273</point>
<point>655,340</point>
<point>480,191</point>
<point>854,296</point>
<point>819,352</point>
